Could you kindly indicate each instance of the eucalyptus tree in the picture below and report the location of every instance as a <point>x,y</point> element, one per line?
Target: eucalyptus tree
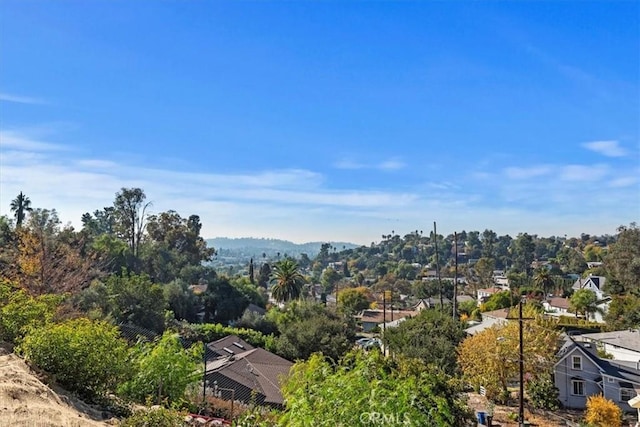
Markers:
<point>130,208</point>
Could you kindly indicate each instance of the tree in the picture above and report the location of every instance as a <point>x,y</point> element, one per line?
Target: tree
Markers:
<point>135,299</point>
<point>20,206</point>
<point>308,327</point>
<point>502,299</point>
<point>354,300</point>
<point>173,245</point>
<point>85,356</point>
<point>432,336</point>
<point>223,302</point>
<point>489,239</point>
<point>523,249</point>
<point>623,312</point>
<point>50,259</point>
<point>130,208</point>
<point>542,278</point>
<point>364,389</point>
<point>264,275</point>
<point>623,261</point>
<point>602,412</point>
<point>163,370</point>
<point>286,281</point>
<point>251,278</point>
<point>489,358</point>
<point>329,279</point>
<point>583,301</point>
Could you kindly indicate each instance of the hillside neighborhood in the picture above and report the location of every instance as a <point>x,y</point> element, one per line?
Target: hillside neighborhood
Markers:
<point>489,329</point>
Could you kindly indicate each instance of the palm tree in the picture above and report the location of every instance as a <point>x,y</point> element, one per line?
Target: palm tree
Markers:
<point>543,280</point>
<point>286,281</point>
<point>21,205</point>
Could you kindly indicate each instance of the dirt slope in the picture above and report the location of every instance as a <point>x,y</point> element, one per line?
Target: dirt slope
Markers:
<point>27,401</point>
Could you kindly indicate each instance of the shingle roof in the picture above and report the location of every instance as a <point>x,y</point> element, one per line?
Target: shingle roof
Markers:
<point>617,369</point>
<point>227,346</point>
<point>252,370</point>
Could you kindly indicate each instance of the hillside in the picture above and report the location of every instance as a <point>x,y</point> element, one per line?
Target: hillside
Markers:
<point>253,247</point>
<point>27,401</point>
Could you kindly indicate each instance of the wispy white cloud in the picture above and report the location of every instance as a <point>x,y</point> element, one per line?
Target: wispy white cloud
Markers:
<point>606,148</point>
<point>348,164</point>
<point>391,164</point>
<point>301,205</point>
<point>625,181</point>
<point>386,165</point>
<point>22,141</point>
<point>527,172</point>
<point>583,173</point>
<point>6,97</point>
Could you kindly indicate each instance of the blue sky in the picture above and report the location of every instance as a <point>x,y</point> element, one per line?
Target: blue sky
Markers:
<point>327,120</point>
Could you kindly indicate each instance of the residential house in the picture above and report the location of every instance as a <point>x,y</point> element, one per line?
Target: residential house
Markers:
<point>489,320</point>
<point>370,319</point>
<point>621,345</point>
<point>484,294</point>
<point>237,370</point>
<point>430,302</point>
<point>594,283</point>
<point>557,306</point>
<point>580,373</point>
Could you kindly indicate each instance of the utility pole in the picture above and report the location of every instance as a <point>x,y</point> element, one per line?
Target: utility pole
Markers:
<point>435,240</point>
<point>521,360</point>
<point>455,278</point>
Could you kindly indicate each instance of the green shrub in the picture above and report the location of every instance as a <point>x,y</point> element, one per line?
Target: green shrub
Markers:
<point>208,332</point>
<point>85,356</point>
<point>543,393</point>
<point>155,417</point>
<point>20,312</point>
<point>163,370</point>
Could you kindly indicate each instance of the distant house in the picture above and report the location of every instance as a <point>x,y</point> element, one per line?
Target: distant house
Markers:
<point>593,283</point>
<point>580,373</point>
<point>484,294</point>
<point>431,302</point>
<point>371,319</point>
<point>557,306</point>
<point>254,374</point>
<point>621,345</point>
<point>489,320</point>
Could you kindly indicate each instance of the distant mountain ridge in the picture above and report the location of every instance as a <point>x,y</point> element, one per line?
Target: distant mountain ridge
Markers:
<point>255,247</point>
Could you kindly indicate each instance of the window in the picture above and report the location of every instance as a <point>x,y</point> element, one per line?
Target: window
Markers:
<point>576,362</point>
<point>578,387</point>
<point>626,394</point>
<point>610,379</point>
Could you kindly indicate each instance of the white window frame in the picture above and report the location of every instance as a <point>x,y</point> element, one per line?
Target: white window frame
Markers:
<point>630,391</point>
<point>574,383</point>
<point>573,363</point>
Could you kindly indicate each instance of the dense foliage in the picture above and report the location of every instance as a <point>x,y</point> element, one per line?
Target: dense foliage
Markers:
<point>85,356</point>
<point>163,369</point>
<point>432,336</point>
<point>490,358</point>
<point>365,385</point>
